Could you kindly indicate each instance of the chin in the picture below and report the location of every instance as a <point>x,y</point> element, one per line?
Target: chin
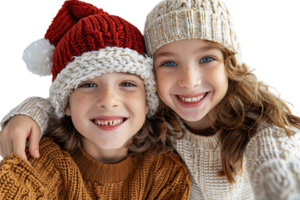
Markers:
<point>192,117</point>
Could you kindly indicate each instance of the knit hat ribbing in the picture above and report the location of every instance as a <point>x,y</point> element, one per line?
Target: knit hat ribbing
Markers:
<point>173,20</point>
<point>88,42</point>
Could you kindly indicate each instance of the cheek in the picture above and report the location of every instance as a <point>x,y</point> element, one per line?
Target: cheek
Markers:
<point>219,79</point>
<point>80,103</point>
<point>217,76</point>
<point>163,84</point>
<point>136,102</point>
<point>223,77</point>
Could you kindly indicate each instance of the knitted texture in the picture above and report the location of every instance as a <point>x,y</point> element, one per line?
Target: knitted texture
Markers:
<point>271,167</point>
<point>173,20</point>
<point>272,161</point>
<point>70,13</point>
<point>89,42</point>
<point>60,175</point>
<point>95,63</point>
<point>38,109</point>
<point>57,174</point>
<point>80,27</point>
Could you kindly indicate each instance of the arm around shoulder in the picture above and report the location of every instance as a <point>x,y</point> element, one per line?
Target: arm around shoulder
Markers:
<point>39,109</point>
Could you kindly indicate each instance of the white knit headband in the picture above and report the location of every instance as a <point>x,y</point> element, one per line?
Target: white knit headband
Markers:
<point>95,63</point>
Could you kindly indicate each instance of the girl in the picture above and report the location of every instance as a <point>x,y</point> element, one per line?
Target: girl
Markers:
<point>101,147</point>
<point>239,140</point>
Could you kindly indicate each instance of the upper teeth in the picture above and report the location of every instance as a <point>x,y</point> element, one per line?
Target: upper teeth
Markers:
<point>105,123</point>
<point>193,99</point>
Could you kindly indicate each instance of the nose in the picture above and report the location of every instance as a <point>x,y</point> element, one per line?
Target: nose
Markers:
<point>107,99</point>
<point>189,77</point>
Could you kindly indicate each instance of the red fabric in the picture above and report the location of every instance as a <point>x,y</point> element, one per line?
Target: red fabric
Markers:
<point>81,27</point>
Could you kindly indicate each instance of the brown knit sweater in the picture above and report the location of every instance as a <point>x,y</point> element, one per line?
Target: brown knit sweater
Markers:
<point>60,175</point>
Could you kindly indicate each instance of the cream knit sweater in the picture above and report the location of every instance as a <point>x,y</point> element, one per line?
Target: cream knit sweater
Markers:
<point>271,161</point>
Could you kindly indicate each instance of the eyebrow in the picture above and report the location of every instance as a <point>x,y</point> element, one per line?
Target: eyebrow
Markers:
<point>206,48</point>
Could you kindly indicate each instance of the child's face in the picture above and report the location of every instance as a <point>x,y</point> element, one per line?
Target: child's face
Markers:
<point>104,100</point>
<point>191,77</point>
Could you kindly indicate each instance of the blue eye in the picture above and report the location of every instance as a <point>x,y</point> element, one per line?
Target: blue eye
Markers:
<point>127,84</point>
<point>90,84</point>
<point>206,59</point>
<point>87,84</point>
<point>170,64</point>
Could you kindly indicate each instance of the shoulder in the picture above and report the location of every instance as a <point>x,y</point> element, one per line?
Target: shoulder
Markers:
<point>46,144</point>
<point>175,159</point>
<point>167,162</point>
<point>273,130</point>
<point>276,134</point>
<point>50,154</point>
<point>273,141</point>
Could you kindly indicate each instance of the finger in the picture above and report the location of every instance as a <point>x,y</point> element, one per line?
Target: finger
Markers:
<point>19,146</point>
<point>34,142</point>
<point>7,143</point>
<point>3,142</point>
<point>1,147</point>
<point>1,150</point>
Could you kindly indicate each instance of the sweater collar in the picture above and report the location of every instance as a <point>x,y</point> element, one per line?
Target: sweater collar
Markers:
<point>198,141</point>
<point>93,170</point>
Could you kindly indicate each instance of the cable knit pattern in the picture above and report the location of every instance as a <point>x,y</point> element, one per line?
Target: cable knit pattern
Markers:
<point>60,175</point>
<point>202,156</point>
<point>272,161</point>
<point>95,63</point>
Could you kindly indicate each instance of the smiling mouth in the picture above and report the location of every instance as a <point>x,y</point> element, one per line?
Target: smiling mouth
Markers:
<point>191,99</point>
<point>114,122</point>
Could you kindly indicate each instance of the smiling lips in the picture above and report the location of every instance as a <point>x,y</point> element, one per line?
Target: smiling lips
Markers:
<point>192,95</point>
<point>199,98</point>
<point>187,96</point>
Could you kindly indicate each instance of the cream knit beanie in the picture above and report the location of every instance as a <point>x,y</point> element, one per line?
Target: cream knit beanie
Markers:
<point>173,20</point>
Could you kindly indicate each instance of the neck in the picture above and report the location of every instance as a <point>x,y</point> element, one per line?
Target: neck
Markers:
<point>202,132</point>
<point>106,156</point>
<point>202,126</point>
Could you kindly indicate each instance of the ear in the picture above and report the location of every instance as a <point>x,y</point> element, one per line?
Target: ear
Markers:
<point>68,110</point>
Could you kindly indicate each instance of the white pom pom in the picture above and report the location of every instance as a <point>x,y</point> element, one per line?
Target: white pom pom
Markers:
<point>38,57</point>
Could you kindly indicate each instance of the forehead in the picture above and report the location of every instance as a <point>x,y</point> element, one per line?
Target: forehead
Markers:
<point>187,45</point>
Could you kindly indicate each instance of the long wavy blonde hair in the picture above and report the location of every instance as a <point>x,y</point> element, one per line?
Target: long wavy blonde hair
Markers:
<point>248,102</point>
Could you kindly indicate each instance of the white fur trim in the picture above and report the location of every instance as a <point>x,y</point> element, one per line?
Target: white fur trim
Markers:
<point>95,63</point>
<point>38,57</point>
